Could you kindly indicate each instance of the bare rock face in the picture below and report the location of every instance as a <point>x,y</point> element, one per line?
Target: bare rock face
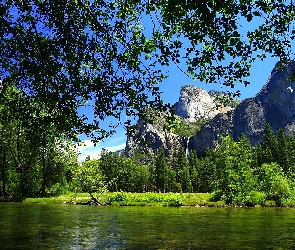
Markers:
<point>278,97</point>
<point>154,138</point>
<point>195,103</point>
<point>208,136</point>
<point>249,119</point>
<point>275,104</point>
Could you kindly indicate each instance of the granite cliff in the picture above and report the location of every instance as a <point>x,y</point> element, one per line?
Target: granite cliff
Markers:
<point>194,107</point>
<point>275,103</point>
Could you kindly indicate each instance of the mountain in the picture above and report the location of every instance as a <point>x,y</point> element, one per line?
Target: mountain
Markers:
<point>194,107</point>
<point>275,104</point>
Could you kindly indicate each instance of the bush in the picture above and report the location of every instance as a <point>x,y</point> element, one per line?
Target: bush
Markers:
<point>59,188</point>
<point>255,198</point>
<point>290,201</point>
<point>117,197</point>
<point>220,204</point>
<point>270,203</point>
<point>216,196</point>
<point>274,184</point>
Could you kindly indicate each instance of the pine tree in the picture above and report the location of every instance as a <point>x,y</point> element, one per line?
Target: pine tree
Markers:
<point>181,167</point>
<point>291,153</point>
<point>172,185</point>
<point>207,172</point>
<point>283,157</point>
<point>178,162</point>
<point>194,169</point>
<point>161,171</point>
<point>270,144</point>
<point>185,180</point>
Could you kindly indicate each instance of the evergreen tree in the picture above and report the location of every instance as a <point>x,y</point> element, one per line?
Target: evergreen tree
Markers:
<point>185,180</point>
<point>283,156</point>
<point>180,162</point>
<point>291,153</point>
<point>194,169</point>
<point>270,144</point>
<point>264,155</point>
<point>174,162</point>
<point>172,185</point>
<point>161,168</point>
<point>207,173</point>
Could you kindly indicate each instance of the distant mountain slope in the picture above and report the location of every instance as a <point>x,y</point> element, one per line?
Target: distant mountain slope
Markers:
<point>194,107</point>
<point>275,103</point>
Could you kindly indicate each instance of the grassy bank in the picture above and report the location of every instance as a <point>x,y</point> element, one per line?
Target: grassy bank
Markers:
<point>129,199</point>
<point>158,199</point>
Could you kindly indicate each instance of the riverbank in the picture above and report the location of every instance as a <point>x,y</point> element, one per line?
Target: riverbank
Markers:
<point>154,199</point>
<point>131,199</point>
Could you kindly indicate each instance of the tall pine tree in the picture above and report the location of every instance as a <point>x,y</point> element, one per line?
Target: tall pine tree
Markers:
<point>269,143</point>
<point>161,171</point>
<point>194,169</point>
<point>283,156</point>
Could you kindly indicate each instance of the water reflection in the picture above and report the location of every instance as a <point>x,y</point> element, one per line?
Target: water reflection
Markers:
<point>41,226</point>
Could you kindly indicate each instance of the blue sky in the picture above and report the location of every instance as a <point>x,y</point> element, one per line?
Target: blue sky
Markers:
<point>260,72</point>
<point>170,87</point>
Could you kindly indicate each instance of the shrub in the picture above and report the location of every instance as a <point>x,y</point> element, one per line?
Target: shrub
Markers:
<point>255,198</point>
<point>216,196</point>
<point>274,184</point>
<point>270,203</point>
<point>117,197</point>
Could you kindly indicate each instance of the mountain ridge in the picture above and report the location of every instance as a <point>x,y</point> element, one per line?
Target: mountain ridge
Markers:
<point>274,103</point>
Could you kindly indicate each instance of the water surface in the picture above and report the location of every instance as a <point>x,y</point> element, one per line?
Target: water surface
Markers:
<point>44,226</point>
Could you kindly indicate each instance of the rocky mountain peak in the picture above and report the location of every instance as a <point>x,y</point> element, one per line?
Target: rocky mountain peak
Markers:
<point>194,107</point>
<point>275,104</point>
<point>195,103</point>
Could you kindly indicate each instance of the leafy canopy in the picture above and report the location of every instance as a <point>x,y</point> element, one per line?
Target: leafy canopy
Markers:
<point>111,54</point>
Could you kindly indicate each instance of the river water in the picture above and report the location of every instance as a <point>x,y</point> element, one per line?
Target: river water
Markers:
<point>44,226</point>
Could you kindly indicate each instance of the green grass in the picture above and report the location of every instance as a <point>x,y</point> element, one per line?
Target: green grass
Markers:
<point>129,199</point>
<point>60,199</point>
<point>157,199</point>
<point>257,199</point>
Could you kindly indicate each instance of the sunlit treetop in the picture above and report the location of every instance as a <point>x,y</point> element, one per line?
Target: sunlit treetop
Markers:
<point>112,54</point>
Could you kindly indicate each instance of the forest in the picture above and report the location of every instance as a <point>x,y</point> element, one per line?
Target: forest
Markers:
<point>58,57</point>
<point>36,164</point>
<point>234,172</point>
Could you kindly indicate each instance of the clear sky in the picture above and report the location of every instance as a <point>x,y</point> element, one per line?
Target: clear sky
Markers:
<point>170,87</point>
<point>260,72</point>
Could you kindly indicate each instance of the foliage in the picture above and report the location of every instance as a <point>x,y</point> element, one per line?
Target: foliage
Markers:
<point>270,203</point>
<point>214,34</point>
<point>232,173</point>
<point>33,156</point>
<point>62,55</point>
<point>123,173</point>
<point>188,129</point>
<point>256,198</point>
<point>88,178</point>
<point>156,199</point>
<point>224,99</point>
<point>273,182</point>
<point>233,168</point>
<point>216,195</point>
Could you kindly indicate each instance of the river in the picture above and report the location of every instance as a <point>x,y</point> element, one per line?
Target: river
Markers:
<point>44,226</point>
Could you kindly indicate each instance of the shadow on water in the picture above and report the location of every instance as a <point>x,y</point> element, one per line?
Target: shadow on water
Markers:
<point>44,226</point>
